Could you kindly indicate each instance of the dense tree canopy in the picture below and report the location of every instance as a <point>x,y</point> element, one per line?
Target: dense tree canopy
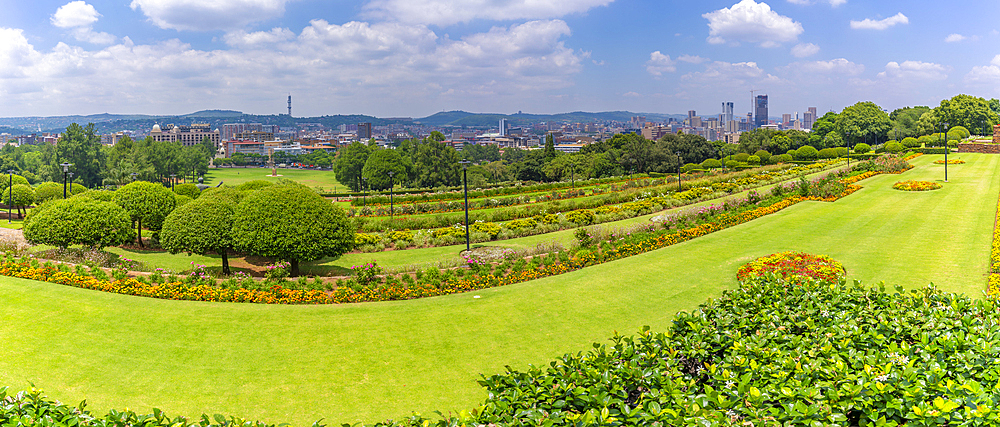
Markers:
<point>967,111</point>
<point>145,202</point>
<point>380,163</point>
<point>78,221</point>
<point>864,121</point>
<point>350,163</point>
<point>200,226</point>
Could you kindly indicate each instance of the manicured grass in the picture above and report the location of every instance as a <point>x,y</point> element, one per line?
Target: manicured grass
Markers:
<point>374,361</point>
<point>324,180</point>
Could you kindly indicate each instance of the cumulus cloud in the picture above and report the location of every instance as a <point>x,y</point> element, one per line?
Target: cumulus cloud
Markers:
<point>200,15</point>
<point>752,22</point>
<point>839,67</point>
<point>914,70</point>
<point>803,50</point>
<point>356,64</point>
<point>833,3</point>
<point>79,17</point>
<point>659,63</point>
<point>448,12</point>
<point>720,74</point>
<point>985,74</point>
<point>953,38</point>
<point>871,24</point>
<point>691,59</point>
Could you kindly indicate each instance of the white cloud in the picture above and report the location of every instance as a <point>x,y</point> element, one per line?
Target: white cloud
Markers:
<point>839,67</point>
<point>952,38</point>
<point>726,74</point>
<point>836,3</point>
<point>985,74</point>
<point>75,14</point>
<point>448,12</point>
<point>914,70</point>
<point>691,59</point>
<point>803,50</point>
<point>752,22</point>
<point>871,24</point>
<point>351,67</point>
<point>201,15</point>
<point>659,63</point>
<point>79,17</point>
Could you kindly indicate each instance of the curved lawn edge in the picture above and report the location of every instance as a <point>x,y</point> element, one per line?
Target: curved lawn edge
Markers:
<point>280,295</point>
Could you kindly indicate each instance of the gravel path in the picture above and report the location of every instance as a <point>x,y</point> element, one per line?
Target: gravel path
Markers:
<point>12,234</point>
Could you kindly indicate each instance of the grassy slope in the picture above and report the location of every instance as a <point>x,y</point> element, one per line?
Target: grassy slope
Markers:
<point>371,361</point>
<point>312,178</point>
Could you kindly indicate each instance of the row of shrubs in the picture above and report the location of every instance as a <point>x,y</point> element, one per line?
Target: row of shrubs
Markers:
<point>456,193</point>
<point>537,219</point>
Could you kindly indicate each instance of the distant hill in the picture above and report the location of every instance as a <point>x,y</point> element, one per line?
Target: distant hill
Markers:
<point>463,118</point>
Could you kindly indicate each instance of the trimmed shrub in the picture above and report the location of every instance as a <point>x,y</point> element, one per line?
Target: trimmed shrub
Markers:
<point>783,158</point>
<point>910,142</point>
<point>5,181</point>
<point>893,147</point>
<point>862,148</point>
<point>180,199</point>
<point>753,160</point>
<point>146,203</point>
<point>961,131</point>
<point>78,221</point>
<point>48,191</point>
<point>188,189</point>
<point>200,226</point>
<point>741,157</point>
<point>764,156</point>
<point>730,164</point>
<point>829,153</point>
<point>711,164</point>
<point>102,195</point>
<point>806,152</point>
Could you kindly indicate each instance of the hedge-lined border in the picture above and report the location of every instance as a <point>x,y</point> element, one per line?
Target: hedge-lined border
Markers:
<point>993,281</point>
<point>279,295</point>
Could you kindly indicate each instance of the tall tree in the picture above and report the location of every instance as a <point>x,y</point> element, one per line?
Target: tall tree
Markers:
<point>379,164</point>
<point>971,112</point>
<point>81,147</point>
<point>350,162</point>
<point>864,121</point>
<point>436,164</point>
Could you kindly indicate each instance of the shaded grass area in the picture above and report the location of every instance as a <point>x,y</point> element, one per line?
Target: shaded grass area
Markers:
<point>374,361</point>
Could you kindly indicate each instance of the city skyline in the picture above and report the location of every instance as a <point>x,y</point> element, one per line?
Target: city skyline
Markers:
<point>413,58</point>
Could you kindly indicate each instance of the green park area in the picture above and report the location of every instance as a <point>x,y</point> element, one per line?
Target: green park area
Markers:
<point>372,361</point>
<point>321,180</point>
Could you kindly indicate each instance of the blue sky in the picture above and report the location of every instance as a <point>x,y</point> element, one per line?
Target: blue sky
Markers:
<point>417,57</point>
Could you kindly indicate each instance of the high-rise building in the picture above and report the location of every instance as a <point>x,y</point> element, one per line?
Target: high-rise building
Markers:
<point>760,111</point>
<point>691,114</point>
<point>364,131</point>
<point>503,127</point>
<point>809,118</point>
<point>786,120</point>
<point>727,112</point>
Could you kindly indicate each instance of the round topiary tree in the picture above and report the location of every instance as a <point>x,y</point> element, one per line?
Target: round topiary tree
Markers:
<point>765,156</point>
<point>292,223</point>
<point>102,195</point>
<point>189,190</point>
<point>78,221</point>
<point>741,157</point>
<point>200,226</point>
<point>19,196</point>
<point>180,199</point>
<point>783,158</point>
<point>893,147</point>
<point>862,148</point>
<point>828,153</point>
<point>910,142</point>
<point>711,164</point>
<point>753,160</point>
<point>48,191</point>
<point>145,202</point>
<point>961,131</point>
<point>7,180</point>
<point>254,185</point>
<point>806,152</point>
<point>231,194</point>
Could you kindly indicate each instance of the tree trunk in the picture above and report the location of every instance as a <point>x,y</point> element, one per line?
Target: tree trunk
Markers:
<point>225,261</point>
<point>295,268</point>
<point>139,230</point>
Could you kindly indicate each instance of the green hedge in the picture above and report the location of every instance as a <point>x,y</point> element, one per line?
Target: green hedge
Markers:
<point>931,150</point>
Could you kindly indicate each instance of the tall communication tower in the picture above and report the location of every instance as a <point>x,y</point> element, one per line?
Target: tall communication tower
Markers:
<point>289,105</point>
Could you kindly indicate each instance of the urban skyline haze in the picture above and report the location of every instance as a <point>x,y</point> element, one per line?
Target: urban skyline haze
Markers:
<point>413,58</point>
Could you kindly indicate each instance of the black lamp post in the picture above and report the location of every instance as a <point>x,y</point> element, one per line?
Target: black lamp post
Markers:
<point>173,177</point>
<point>848,135</point>
<point>133,176</point>
<point>71,181</point>
<point>465,183</point>
<point>679,161</point>
<point>944,134</point>
<point>10,193</point>
<point>364,194</point>
<point>65,167</point>
<point>391,184</point>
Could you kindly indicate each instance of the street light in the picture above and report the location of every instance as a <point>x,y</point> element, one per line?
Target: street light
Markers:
<point>10,193</point>
<point>173,177</point>
<point>847,133</point>
<point>679,161</point>
<point>391,184</point>
<point>465,183</point>
<point>71,181</point>
<point>65,167</point>
<point>133,176</point>
<point>944,134</point>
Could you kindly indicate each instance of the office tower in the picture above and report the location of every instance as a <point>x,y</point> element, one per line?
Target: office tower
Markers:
<point>809,118</point>
<point>503,127</point>
<point>727,112</point>
<point>364,131</point>
<point>760,111</point>
<point>786,120</point>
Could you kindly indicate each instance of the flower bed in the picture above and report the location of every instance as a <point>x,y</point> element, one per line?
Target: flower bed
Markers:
<point>916,185</point>
<point>480,275</point>
<point>993,283</point>
<point>795,267</point>
<point>950,162</point>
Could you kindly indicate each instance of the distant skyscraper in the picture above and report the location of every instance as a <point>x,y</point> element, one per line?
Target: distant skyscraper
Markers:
<point>760,111</point>
<point>809,118</point>
<point>364,131</point>
<point>786,120</point>
<point>691,114</point>
<point>727,112</point>
<point>503,127</point>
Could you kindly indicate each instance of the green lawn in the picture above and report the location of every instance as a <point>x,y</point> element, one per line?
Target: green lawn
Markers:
<point>324,180</point>
<point>367,362</point>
